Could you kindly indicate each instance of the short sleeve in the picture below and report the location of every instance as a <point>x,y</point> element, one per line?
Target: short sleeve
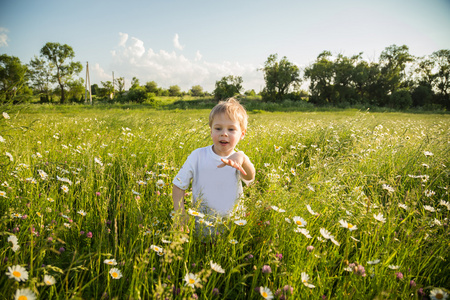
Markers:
<point>186,173</point>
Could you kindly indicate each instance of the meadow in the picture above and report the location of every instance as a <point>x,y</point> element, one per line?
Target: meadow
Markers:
<point>345,205</point>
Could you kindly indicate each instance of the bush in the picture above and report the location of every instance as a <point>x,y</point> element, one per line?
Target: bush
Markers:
<point>401,99</point>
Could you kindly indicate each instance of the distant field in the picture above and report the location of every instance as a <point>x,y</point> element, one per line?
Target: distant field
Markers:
<point>345,205</point>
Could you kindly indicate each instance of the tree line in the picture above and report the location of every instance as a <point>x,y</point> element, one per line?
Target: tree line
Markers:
<point>398,80</point>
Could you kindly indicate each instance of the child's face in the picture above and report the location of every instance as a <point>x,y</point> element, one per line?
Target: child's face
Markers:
<point>225,134</point>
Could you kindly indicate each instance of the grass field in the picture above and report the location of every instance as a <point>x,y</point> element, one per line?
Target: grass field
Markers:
<point>345,205</point>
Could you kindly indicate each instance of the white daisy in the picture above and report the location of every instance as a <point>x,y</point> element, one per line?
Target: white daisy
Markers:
<point>379,217</point>
<point>299,221</point>
<point>240,222</point>
<point>393,267</point>
<point>277,209</point>
<point>195,213</point>
<point>111,262</point>
<point>115,273</point>
<point>6,116</point>
<point>373,262</point>
<point>429,208</point>
<point>82,212</point>
<point>157,249</point>
<point>388,188</point>
<point>325,233</point>
<point>49,280</point>
<point>18,273</point>
<point>216,267</point>
<point>266,292</point>
<point>305,279</point>
<point>233,241</point>
<point>428,153</point>
<point>24,294</point>
<point>65,188</point>
<point>191,279</point>
<point>438,294</point>
<point>347,225</point>
<point>160,184</point>
<point>303,231</point>
<point>308,207</point>
<point>404,206</point>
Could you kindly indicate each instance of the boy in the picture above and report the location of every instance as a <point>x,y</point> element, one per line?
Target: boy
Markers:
<point>217,170</point>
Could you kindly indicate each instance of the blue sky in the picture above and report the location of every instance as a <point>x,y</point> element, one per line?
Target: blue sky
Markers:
<point>198,42</point>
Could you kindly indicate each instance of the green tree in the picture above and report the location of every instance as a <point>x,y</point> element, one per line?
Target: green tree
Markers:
<point>152,87</point>
<point>279,77</point>
<point>107,89</point>
<point>76,90</point>
<point>441,79</point>
<point>40,78</point>
<point>13,77</point>
<point>197,91</point>
<point>119,84</point>
<point>58,57</point>
<point>174,90</point>
<point>320,76</point>
<point>134,83</point>
<point>227,87</point>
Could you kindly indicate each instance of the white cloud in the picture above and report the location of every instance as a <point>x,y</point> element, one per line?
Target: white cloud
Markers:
<point>123,38</point>
<point>3,37</point>
<point>131,59</point>
<point>96,72</point>
<point>176,42</point>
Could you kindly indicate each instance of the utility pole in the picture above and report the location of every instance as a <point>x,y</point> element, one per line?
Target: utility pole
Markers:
<point>114,94</point>
<point>88,82</point>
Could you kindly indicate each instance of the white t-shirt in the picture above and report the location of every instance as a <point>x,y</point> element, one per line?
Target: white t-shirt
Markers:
<point>217,188</point>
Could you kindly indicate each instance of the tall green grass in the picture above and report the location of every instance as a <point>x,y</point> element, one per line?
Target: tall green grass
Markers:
<point>346,165</point>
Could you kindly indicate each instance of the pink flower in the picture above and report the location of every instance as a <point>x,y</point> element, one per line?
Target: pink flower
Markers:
<point>89,234</point>
<point>97,193</point>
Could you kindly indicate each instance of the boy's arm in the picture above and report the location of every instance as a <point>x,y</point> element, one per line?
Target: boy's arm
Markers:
<point>180,218</point>
<point>241,162</point>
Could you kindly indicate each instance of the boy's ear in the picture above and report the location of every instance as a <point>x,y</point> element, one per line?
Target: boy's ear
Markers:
<point>243,133</point>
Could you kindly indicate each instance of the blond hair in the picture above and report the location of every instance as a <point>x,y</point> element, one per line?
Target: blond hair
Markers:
<point>233,109</point>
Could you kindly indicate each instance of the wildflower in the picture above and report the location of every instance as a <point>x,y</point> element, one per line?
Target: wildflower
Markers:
<point>157,249</point>
<point>266,269</point>
<point>160,184</point>
<point>349,226</point>
<point>427,153</point>
<point>49,280</point>
<point>240,222</point>
<point>399,275</point>
<point>373,262</point>
<point>277,209</point>
<point>299,221</point>
<point>288,220</point>
<point>24,294</point>
<point>233,241</point>
<point>393,267</point>
<point>334,241</point>
<point>401,205</point>
<point>277,148</point>
<point>379,217</point>
<point>50,200</point>
<point>98,161</point>
<point>89,234</point>
<point>2,139</point>
<point>388,188</point>
<point>3,194</point>
<point>195,213</point>
<point>215,292</point>
<point>429,193</point>
<point>81,212</point>
<point>9,156</point>
<point>111,262</point>
<point>64,188</point>
<point>115,273</point>
<point>216,267</point>
<point>6,116</point>
<point>305,279</point>
<point>325,233</point>
<point>429,208</point>
<point>13,239</point>
<point>303,231</point>
<point>18,273</point>
<point>308,207</point>
<point>438,294</point>
<point>191,279</point>
<point>310,248</point>
<point>311,188</point>
<point>67,225</point>
<point>445,203</point>
<point>279,256</point>
<point>266,293</point>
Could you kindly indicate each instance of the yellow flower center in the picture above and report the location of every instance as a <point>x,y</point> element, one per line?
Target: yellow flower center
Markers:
<point>240,223</point>
<point>264,294</point>
<point>114,274</point>
<point>349,225</point>
<point>49,282</point>
<point>439,296</point>
<point>298,223</point>
<point>191,281</point>
<point>23,297</point>
<point>16,274</point>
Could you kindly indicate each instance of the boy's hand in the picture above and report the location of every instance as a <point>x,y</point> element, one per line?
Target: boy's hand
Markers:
<point>236,161</point>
